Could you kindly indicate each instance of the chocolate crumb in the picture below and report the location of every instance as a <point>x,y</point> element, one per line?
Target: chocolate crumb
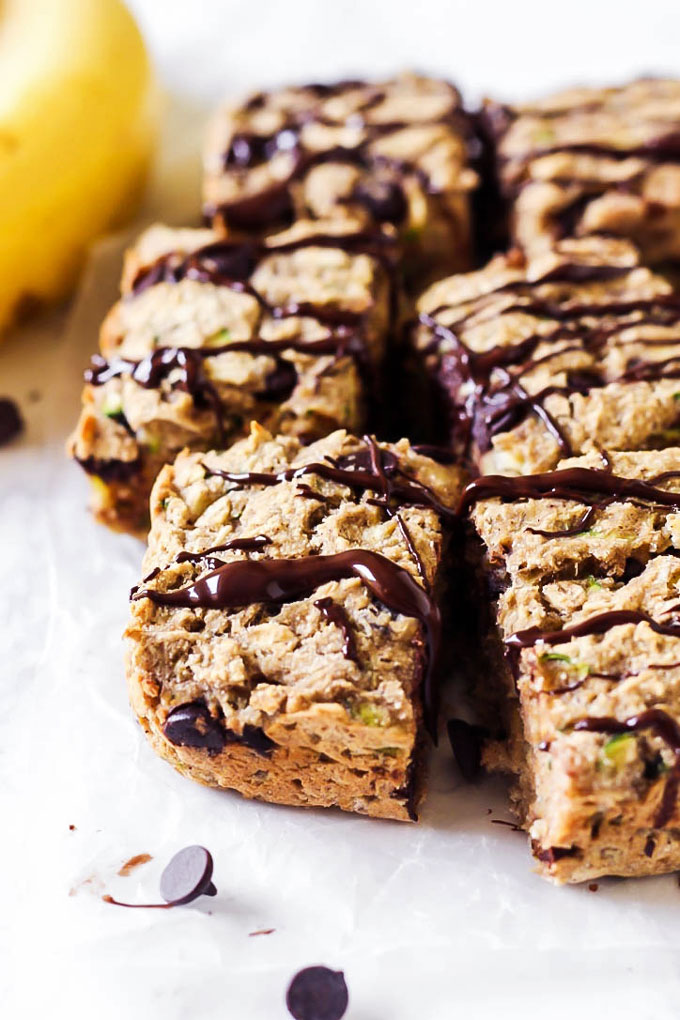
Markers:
<point>261,931</point>
<point>593,887</point>
<point>510,825</point>
<point>11,422</point>
<point>71,828</point>
<point>317,993</point>
<point>134,862</point>
<point>650,846</point>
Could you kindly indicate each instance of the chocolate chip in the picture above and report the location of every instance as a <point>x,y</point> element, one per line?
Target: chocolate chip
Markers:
<point>246,150</point>
<point>385,200</point>
<point>110,470</point>
<point>466,744</point>
<point>191,725</point>
<point>632,568</point>
<point>253,737</point>
<point>11,422</point>
<point>230,260</point>
<point>280,382</point>
<point>188,876</point>
<point>317,993</point>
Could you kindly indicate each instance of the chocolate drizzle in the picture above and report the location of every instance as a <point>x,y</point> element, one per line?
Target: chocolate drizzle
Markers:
<point>372,469</point>
<point>598,624</point>
<point>232,263</point>
<point>594,488</point>
<point>183,367</point>
<point>379,191</point>
<point>484,391</point>
<point>336,615</point>
<point>277,581</point>
<point>662,726</point>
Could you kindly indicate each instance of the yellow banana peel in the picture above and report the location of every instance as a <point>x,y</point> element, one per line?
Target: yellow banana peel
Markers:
<point>78,112</point>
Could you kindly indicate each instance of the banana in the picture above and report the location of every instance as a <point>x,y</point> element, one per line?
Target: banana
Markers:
<point>78,109</point>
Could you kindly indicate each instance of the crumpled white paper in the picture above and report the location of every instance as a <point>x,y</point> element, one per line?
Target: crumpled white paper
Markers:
<point>432,921</point>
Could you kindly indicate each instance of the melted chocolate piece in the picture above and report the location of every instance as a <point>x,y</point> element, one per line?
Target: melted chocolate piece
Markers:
<point>11,422</point>
<point>552,854</point>
<point>385,200</point>
<point>662,726</point>
<point>280,382</point>
<point>192,725</point>
<point>184,879</point>
<point>582,485</point>
<point>336,614</point>
<point>277,581</point>
<point>371,468</point>
<point>598,624</point>
<point>317,993</point>
<point>188,876</point>
<point>110,470</point>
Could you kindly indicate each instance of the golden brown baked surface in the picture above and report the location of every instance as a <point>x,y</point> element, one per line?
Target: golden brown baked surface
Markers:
<point>209,335</point>
<point>588,613</point>
<point>315,699</point>
<point>390,156</point>
<point>593,161</point>
<point>530,361</point>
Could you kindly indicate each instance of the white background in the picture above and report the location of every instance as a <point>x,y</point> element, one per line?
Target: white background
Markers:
<point>429,922</point>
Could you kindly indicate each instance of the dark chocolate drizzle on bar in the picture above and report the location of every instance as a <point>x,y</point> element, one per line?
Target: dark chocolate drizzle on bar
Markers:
<point>277,581</point>
<point>371,468</point>
<point>512,172</point>
<point>380,190</point>
<point>598,624</point>
<point>592,487</point>
<point>335,614</point>
<point>486,387</point>
<point>231,264</point>
<point>186,367</point>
